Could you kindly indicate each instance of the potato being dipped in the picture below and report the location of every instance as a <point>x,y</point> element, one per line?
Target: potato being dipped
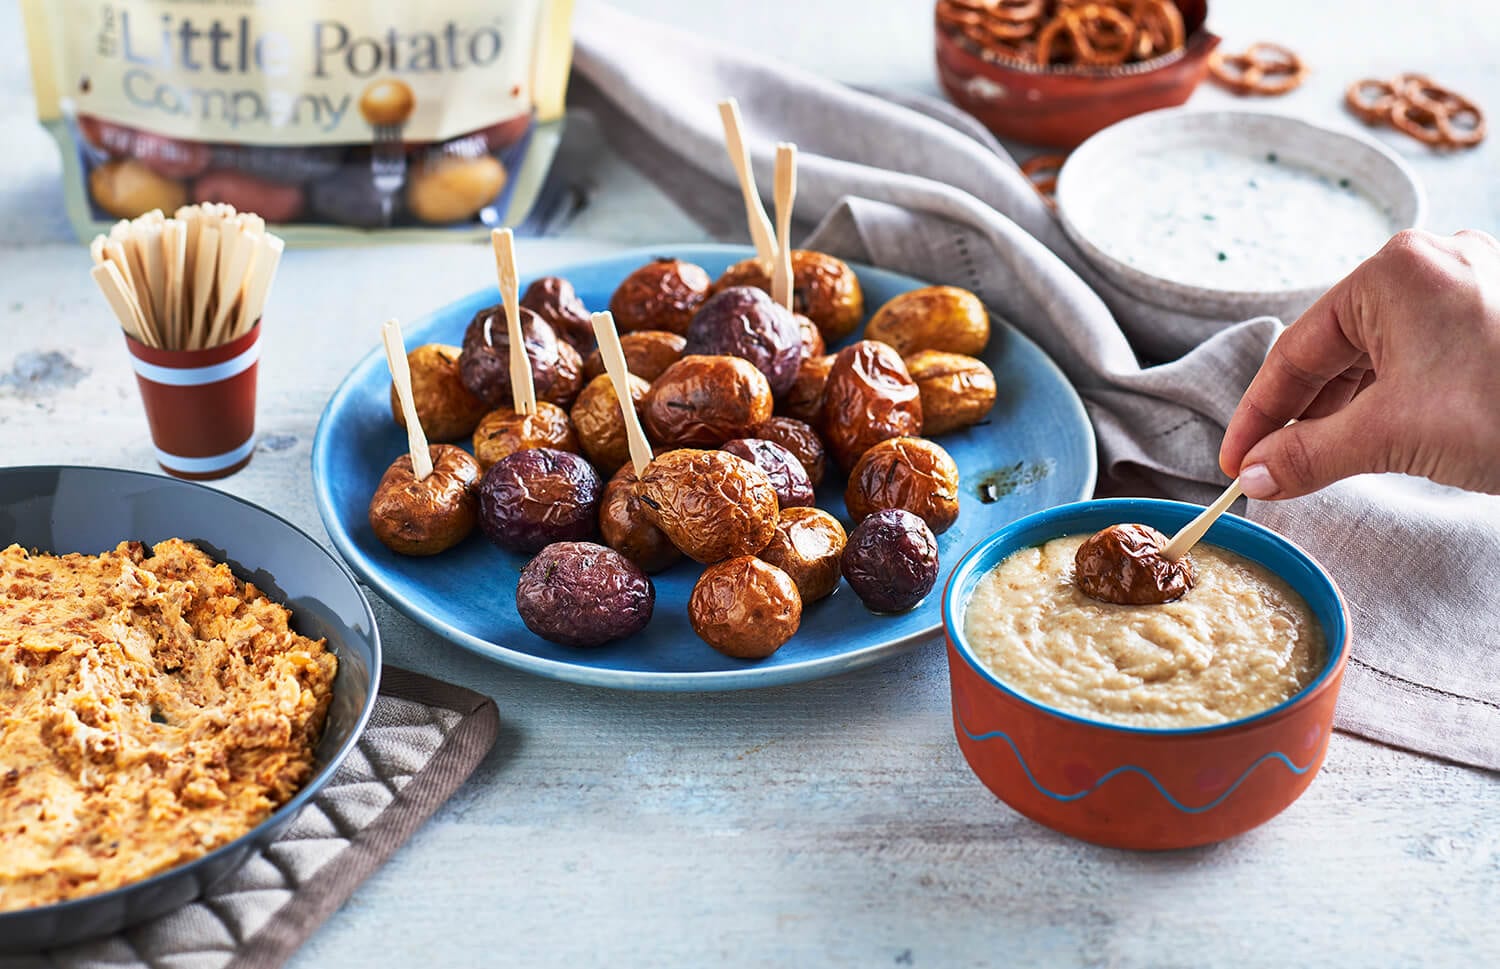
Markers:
<point>1123,564</point>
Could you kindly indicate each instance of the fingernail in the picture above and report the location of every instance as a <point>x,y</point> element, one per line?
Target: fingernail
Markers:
<point>1256,482</point>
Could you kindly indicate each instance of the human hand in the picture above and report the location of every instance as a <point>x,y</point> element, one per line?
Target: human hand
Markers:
<point>1396,368</point>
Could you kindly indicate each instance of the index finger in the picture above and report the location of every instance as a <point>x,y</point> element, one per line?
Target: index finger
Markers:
<point>1308,354</point>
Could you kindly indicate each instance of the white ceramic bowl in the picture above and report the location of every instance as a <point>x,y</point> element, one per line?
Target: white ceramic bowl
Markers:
<point>1092,174</point>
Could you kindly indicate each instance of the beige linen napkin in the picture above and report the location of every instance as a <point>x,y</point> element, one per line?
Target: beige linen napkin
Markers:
<point>914,185</point>
<point>423,739</point>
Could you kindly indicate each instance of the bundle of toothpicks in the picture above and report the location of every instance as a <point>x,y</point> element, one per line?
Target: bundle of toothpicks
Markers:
<point>194,281</point>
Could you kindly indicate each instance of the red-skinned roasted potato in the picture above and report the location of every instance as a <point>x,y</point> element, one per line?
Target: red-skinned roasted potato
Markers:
<point>808,546</point>
<point>601,425</point>
<point>661,295</point>
<point>910,473</point>
<point>647,354</point>
<point>503,432</point>
<point>824,289</point>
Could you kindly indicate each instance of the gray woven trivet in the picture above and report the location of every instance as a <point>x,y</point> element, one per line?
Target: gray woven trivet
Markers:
<point>424,738</point>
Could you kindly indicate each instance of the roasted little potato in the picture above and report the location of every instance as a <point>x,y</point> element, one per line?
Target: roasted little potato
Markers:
<point>813,344</point>
<point>503,432</point>
<point>582,594</point>
<point>711,504</point>
<point>869,397</point>
<point>824,289</point>
<point>627,530</point>
<point>793,487</point>
<point>554,300</point>
<point>532,498</point>
<point>705,401</point>
<point>745,608</point>
<point>445,407</point>
<point>932,318</point>
<point>647,354</point>
<point>799,438</point>
<point>426,517</point>
<point>484,364</point>
<point>661,295</point>
<point>805,398</point>
<point>956,390</point>
<point>745,322</point>
<point>808,545</point>
<point>910,473</point>
<point>891,561</point>
<point>599,423</point>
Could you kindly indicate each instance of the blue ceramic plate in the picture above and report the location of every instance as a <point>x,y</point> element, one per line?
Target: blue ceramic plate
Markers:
<point>1036,451</point>
<point>70,509</point>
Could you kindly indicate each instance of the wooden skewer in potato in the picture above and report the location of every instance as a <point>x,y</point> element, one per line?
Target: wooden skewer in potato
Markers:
<point>786,193</point>
<point>739,157</point>
<point>523,390</point>
<point>613,355</point>
<point>427,500</point>
<point>395,357</point>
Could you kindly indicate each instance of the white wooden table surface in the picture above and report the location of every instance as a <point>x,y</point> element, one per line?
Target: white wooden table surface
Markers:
<point>832,823</point>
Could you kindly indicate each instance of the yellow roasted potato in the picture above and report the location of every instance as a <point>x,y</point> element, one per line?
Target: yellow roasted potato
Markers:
<point>957,390</point>
<point>445,407</point>
<point>932,318</point>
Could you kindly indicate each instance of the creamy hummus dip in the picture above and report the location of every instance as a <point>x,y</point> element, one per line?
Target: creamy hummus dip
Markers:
<point>1222,219</point>
<point>152,708</point>
<point>1239,642</point>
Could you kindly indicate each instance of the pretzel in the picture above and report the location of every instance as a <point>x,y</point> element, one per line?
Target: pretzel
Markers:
<point>1042,171</point>
<point>1066,33</point>
<point>1264,68</point>
<point>1419,107</point>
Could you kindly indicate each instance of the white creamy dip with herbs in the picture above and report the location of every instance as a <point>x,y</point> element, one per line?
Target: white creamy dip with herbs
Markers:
<point>1222,219</point>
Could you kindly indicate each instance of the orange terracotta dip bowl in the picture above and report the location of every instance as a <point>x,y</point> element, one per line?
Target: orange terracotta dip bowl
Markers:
<point>1135,787</point>
<point>1060,106</point>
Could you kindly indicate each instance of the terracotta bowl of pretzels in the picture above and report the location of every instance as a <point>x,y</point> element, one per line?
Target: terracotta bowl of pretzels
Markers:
<point>1053,72</point>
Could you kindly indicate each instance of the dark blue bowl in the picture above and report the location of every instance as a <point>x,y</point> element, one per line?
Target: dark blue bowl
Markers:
<point>75,509</point>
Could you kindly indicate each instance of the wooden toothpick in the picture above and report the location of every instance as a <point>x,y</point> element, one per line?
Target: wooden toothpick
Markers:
<point>619,375</point>
<point>739,157</point>
<point>523,391</point>
<point>395,357</point>
<point>1187,536</point>
<point>786,193</point>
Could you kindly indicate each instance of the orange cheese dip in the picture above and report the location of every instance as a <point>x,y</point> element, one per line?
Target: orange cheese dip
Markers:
<point>152,708</point>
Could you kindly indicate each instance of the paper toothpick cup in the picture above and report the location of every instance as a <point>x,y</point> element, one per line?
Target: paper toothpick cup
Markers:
<point>200,404</point>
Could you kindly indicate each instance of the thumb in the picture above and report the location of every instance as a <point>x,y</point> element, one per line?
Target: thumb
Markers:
<point>1310,454</point>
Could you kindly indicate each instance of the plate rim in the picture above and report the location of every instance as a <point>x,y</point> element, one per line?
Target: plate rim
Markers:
<point>315,785</point>
<point>750,677</point>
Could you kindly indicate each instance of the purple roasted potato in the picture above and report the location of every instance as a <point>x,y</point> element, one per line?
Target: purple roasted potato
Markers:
<point>556,373</point>
<point>742,321</point>
<point>891,561</point>
<point>582,594</point>
<point>538,496</point>
<point>793,487</point>
<point>554,300</point>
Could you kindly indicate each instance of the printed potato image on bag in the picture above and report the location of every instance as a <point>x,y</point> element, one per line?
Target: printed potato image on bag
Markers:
<point>323,116</point>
